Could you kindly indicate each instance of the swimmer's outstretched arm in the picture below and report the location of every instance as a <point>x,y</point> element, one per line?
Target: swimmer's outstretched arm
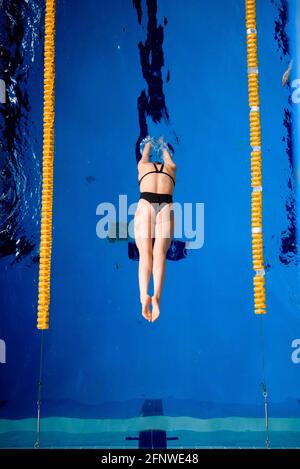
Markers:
<point>167,154</point>
<point>168,158</point>
<point>146,153</point>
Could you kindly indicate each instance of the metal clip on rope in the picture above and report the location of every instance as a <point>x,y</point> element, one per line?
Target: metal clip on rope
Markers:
<point>265,396</point>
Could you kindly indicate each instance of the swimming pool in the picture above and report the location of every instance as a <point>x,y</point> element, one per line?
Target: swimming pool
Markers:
<point>195,378</point>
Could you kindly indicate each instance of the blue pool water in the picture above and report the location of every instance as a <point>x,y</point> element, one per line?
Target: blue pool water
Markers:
<point>109,378</point>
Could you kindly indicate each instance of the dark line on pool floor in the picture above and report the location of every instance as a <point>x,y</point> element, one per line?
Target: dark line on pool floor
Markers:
<point>151,101</point>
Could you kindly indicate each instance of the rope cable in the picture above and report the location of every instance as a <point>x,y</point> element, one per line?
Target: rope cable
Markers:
<point>40,384</point>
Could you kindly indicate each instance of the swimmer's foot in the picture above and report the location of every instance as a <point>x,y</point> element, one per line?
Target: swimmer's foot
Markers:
<point>155,308</point>
<point>146,307</point>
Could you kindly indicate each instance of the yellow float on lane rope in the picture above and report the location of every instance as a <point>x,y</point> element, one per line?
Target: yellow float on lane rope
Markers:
<point>256,161</point>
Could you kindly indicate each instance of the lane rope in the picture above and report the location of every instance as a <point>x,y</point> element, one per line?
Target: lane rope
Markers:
<point>256,160</point>
<point>257,190</point>
<point>47,176</point>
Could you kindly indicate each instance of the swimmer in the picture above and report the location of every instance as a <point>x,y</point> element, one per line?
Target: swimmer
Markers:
<point>154,223</point>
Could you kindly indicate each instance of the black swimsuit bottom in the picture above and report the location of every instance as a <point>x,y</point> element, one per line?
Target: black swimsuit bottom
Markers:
<point>158,201</point>
<point>155,198</point>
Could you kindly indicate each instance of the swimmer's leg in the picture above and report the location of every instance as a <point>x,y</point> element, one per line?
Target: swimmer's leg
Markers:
<point>144,221</point>
<point>164,230</point>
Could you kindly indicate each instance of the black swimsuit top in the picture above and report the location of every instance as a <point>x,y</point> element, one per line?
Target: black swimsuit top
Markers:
<point>158,171</point>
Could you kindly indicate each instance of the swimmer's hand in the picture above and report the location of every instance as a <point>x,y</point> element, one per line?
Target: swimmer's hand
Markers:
<point>146,140</point>
<point>162,143</point>
<point>145,147</point>
<point>164,148</point>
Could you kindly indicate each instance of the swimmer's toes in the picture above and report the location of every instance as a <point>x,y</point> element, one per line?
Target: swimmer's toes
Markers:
<point>155,308</point>
<point>146,308</point>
